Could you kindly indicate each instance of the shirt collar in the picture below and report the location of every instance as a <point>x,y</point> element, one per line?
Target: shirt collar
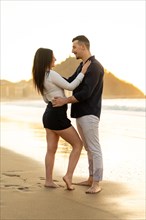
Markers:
<point>90,58</point>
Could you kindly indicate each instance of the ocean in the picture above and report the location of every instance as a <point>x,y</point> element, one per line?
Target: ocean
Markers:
<point>122,137</point>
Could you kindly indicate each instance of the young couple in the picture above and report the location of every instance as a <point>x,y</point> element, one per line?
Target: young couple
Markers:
<point>87,86</point>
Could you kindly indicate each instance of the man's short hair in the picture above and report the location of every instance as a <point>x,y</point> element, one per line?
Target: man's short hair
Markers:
<point>82,39</point>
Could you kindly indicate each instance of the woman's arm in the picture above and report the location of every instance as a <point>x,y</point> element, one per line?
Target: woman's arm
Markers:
<point>62,83</point>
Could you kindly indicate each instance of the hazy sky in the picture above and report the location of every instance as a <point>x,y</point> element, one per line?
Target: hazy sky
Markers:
<point>116,30</point>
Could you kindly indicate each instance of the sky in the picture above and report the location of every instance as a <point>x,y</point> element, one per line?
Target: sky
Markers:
<point>116,30</point>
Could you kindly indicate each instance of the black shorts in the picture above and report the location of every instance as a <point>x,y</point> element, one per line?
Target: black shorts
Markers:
<point>55,118</point>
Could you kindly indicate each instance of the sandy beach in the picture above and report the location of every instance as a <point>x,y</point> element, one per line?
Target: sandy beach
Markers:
<point>23,147</point>
<point>23,195</point>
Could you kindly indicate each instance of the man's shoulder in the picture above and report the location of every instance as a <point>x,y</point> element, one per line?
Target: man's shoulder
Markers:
<point>97,65</point>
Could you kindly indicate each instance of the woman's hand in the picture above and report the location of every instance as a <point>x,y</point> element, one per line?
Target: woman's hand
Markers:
<point>85,66</point>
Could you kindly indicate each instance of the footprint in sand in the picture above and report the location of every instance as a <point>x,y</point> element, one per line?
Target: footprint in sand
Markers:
<point>15,186</point>
<point>11,174</point>
<point>10,185</point>
<point>41,178</point>
<point>23,188</point>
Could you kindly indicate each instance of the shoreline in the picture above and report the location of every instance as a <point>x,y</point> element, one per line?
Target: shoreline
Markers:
<point>24,196</point>
<point>11,100</point>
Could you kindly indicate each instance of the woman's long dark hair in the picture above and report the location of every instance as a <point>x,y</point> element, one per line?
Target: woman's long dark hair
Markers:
<point>42,60</point>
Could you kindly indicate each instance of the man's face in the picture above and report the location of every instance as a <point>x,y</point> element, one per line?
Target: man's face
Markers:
<point>77,49</point>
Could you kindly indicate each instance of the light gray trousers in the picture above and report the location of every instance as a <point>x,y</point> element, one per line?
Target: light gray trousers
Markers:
<point>88,127</point>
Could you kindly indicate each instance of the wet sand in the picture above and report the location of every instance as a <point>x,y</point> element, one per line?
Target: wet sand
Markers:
<point>23,195</point>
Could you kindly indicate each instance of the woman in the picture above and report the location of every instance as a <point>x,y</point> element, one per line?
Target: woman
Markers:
<point>50,84</point>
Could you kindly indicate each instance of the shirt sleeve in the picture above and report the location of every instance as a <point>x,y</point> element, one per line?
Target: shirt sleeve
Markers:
<point>62,83</point>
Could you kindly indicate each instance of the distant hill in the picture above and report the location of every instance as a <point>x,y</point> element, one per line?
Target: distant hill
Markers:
<point>113,87</point>
<point>116,88</point>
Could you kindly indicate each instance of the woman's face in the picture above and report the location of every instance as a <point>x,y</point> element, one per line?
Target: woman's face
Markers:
<point>53,61</point>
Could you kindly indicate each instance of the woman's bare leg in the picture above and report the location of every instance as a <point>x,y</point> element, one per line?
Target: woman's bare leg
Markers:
<point>71,136</point>
<point>52,143</point>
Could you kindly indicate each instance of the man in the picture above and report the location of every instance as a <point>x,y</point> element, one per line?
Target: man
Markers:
<point>86,108</point>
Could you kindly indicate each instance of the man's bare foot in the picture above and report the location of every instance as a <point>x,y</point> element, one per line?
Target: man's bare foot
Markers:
<point>95,188</point>
<point>68,183</point>
<point>51,185</point>
<point>85,183</point>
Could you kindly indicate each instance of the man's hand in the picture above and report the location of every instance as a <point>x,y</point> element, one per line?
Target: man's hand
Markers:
<point>59,101</point>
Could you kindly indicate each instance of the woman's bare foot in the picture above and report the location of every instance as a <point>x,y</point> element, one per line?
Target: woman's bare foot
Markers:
<point>95,188</point>
<point>51,185</point>
<point>68,183</point>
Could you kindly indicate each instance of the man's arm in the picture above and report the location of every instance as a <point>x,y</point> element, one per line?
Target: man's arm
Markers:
<point>59,101</point>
